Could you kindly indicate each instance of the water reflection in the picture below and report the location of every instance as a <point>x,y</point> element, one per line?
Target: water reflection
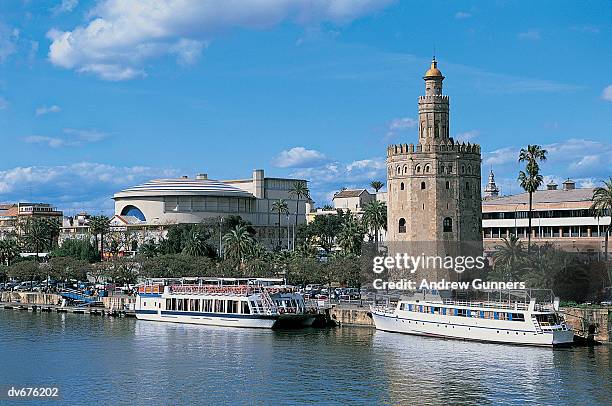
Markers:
<point>119,360</point>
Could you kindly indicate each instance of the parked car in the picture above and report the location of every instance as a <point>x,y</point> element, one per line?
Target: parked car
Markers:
<point>24,286</point>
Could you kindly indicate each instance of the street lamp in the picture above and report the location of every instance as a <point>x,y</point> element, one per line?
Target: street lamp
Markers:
<point>220,239</point>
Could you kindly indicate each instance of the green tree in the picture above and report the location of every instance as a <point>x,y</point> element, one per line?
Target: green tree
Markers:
<point>531,179</point>
<point>377,185</point>
<point>508,257</point>
<point>99,225</point>
<point>350,238</point>
<point>9,249</point>
<point>78,249</point>
<point>375,217</point>
<point>149,249</point>
<point>280,207</point>
<point>238,244</point>
<point>602,206</point>
<point>39,234</point>
<point>66,268</point>
<point>25,270</point>
<point>197,245</point>
<point>323,230</point>
<point>299,191</point>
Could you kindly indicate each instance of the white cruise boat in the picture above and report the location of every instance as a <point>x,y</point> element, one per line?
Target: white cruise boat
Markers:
<point>522,322</point>
<point>233,302</point>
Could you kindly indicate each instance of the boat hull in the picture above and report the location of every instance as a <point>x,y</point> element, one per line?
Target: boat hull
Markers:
<point>453,330</point>
<point>207,319</point>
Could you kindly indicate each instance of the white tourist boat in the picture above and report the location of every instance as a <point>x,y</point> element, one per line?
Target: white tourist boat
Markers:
<point>232,302</point>
<point>511,321</point>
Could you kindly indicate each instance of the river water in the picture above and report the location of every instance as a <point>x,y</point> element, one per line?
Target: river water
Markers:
<point>94,359</point>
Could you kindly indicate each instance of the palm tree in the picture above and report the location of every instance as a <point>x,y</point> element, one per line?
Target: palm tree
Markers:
<point>39,234</point>
<point>602,206</point>
<point>510,254</point>
<point>9,249</point>
<point>351,236</point>
<point>280,207</point>
<point>299,191</point>
<point>377,185</point>
<point>531,180</point>
<point>196,244</point>
<point>99,225</point>
<point>375,217</point>
<point>238,244</point>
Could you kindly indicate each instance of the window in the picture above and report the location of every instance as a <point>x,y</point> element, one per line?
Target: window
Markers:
<point>447,185</point>
<point>470,169</point>
<point>402,225</point>
<point>441,168</point>
<point>399,170</point>
<point>418,168</point>
<point>462,169</point>
<point>245,307</point>
<point>402,186</point>
<point>450,168</point>
<point>405,169</point>
<point>447,225</point>
<point>467,185</point>
<point>422,185</point>
<point>427,168</point>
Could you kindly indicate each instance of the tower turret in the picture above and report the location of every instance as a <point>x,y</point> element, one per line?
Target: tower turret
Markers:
<point>491,190</point>
<point>433,108</point>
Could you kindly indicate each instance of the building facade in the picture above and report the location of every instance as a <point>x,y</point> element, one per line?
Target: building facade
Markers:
<point>163,202</point>
<point>434,187</point>
<point>560,216</point>
<point>13,216</point>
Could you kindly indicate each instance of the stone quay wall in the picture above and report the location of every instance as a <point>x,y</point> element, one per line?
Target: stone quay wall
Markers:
<point>590,323</point>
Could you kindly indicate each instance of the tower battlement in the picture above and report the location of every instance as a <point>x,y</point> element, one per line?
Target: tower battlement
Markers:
<point>433,98</point>
<point>444,146</point>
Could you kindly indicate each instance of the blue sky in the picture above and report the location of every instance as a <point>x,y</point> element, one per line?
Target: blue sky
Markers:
<point>99,95</point>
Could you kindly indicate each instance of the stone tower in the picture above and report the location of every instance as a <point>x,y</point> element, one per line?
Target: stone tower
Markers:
<point>491,190</point>
<point>434,187</point>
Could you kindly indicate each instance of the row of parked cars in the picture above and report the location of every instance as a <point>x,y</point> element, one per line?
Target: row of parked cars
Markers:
<point>315,291</point>
<point>53,285</point>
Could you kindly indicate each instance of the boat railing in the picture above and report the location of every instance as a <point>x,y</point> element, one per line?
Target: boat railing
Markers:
<point>498,305</point>
<point>238,290</point>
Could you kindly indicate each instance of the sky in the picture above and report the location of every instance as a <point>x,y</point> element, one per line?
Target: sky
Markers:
<point>96,96</point>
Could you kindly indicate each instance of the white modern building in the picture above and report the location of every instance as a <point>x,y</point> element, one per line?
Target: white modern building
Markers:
<point>560,216</point>
<point>163,202</point>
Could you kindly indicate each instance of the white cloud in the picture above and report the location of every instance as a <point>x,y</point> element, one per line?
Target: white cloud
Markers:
<point>122,34</point>
<point>3,103</point>
<point>460,15</point>
<point>8,39</point>
<point>52,142</point>
<point>607,93</point>
<point>585,163</point>
<point>501,156</point>
<point>467,136</point>
<point>42,110</point>
<point>81,185</point>
<point>72,138</point>
<point>66,6</point>
<point>531,34</point>
<point>299,157</point>
<point>398,125</point>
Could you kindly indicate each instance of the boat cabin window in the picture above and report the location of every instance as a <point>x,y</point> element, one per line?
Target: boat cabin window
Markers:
<point>232,306</point>
<point>245,307</point>
<point>219,306</point>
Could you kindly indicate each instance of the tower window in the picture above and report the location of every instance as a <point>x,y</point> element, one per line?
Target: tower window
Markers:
<point>450,168</point>
<point>402,225</point>
<point>399,170</point>
<point>447,225</point>
<point>469,169</point>
<point>462,169</point>
<point>427,167</point>
<point>467,185</point>
<point>418,168</point>
<point>402,186</point>
<point>405,169</point>
<point>441,168</point>
<point>447,185</point>
<point>422,185</point>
